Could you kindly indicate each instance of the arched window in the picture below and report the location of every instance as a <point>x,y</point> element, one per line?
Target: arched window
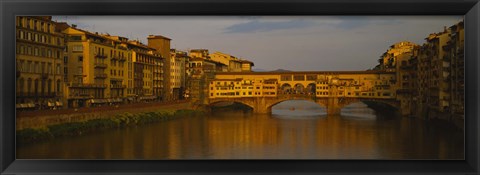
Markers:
<point>36,87</point>
<point>20,86</point>
<point>59,89</point>
<point>29,85</point>
<point>49,89</point>
<point>44,84</point>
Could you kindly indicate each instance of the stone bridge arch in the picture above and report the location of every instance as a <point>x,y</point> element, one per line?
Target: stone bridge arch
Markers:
<point>245,101</point>
<point>263,105</point>
<point>342,102</point>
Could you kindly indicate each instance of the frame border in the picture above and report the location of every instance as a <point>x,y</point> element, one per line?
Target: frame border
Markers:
<point>10,8</point>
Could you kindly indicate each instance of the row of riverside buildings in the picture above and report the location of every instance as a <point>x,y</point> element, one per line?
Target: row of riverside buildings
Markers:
<point>430,77</point>
<point>61,66</point>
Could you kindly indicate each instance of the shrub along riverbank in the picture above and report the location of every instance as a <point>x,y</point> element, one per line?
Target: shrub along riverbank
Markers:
<point>29,135</point>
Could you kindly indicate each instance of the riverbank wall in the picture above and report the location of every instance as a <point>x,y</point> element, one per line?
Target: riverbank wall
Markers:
<point>41,119</point>
<point>456,120</point>
<point>33,129</point>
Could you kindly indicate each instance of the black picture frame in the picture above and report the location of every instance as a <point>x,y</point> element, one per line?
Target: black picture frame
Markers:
<point>9,8</point>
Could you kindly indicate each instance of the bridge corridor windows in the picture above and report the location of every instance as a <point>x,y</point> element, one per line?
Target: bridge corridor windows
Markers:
<point>299,89</point>
<point>286,88</point>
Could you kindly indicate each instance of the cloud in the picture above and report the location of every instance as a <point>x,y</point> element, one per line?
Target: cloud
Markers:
<point>265,26</point>
<point>354,22</point>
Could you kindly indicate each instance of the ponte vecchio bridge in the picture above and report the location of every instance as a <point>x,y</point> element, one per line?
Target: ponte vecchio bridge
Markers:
<point>331,89</point>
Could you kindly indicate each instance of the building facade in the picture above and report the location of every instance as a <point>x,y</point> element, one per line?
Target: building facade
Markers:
<point>39,53</point>
<point>95,68</point>
<point>161,45</point>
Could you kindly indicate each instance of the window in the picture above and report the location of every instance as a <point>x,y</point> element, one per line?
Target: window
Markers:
<point>80,58</point>
<point>22,49</point>
<point>35,51</point>
<point>77,48</point>
<point>20,21</point>
<point>58,69</point>
<point>22,35</point>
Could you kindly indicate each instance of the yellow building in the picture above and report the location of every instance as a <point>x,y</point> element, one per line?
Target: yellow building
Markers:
<point>39,57</point>
<point>374,84</point>
<point>233,63</point>
<point>388,59</point>
<point>161,44</point>
<point>96,68</point>
<point>147,70</point>
<point>246,65</point>
<point>455,56</point>
<point>178,63</point>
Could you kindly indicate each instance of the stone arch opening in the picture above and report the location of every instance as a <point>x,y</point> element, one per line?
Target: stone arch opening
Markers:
<point>367,106</point>
<point>297,107</point>
<point>286,88</point>
<point>311,89</point>
<point>299,89</point>
<point>230,105</point>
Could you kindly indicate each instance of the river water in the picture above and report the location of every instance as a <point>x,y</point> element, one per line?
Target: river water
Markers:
<point>293,131</point>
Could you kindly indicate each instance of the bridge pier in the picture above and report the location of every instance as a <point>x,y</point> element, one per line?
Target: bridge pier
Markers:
<point>333,110</point>
<point>333,106</point>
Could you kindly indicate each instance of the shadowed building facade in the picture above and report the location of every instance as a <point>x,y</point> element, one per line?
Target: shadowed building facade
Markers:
<point>39,57</point>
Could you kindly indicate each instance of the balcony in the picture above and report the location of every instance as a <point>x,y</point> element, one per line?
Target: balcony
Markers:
<point>122,59</point>
<point>117,86</point>
<point>101,76</point>
<point>100,65</point>
<point>446,69</point>
<point>100,56</point>
<point>44,76</point>
<point>406,67</point>
<point>446,58</point>
<point>404,91</point>
<point>85,85</point>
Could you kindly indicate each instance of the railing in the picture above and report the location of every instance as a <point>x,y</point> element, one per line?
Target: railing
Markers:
<point>81,85</point>
<point>117,86</point>
<point>100,65</point>
<point>102,75</point>
<point>44,76</point>
<point>100,56</point>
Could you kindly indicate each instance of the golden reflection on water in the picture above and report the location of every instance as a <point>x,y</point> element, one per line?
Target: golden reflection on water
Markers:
<point>358,133</point>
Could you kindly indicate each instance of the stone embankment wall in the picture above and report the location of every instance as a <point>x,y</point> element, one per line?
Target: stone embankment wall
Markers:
<point>42,119</point>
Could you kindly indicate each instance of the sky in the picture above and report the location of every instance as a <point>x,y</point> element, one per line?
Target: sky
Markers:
<point>298,43</point>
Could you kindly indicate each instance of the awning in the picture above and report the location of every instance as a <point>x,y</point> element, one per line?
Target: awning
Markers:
<point>30,105</point>
<point>98,100</point>
<point>50,104</point>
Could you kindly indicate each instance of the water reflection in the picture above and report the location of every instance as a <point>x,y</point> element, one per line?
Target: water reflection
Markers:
<point>359,133</point>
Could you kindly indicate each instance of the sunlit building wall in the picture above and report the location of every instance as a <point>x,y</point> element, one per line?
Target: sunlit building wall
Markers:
<point>95,70</point>
<point>147,83</point>
<point>177,75</point>
<point>355,84</point>
<point>39,58</point>
<point>161,44</point>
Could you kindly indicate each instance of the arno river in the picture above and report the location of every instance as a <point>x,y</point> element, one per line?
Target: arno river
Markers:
<point>289,133</point>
